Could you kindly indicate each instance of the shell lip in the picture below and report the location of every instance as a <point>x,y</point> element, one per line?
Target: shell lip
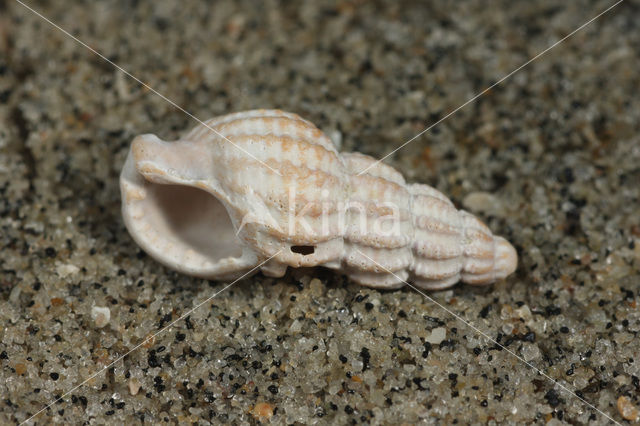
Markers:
<point>172,243</point>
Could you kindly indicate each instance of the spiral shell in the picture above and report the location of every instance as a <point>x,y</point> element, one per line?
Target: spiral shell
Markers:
<point>268,185</point>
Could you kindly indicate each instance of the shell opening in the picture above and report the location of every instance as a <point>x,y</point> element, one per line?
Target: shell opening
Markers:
<point>194,219</point>
<point>303,250</point>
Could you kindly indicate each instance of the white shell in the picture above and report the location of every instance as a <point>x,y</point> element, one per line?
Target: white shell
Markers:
<point>216,204</point>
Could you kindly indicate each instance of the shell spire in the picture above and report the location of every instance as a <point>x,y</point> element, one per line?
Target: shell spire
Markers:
<point>211,205</point>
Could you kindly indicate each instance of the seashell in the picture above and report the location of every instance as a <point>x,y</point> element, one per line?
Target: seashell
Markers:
<point>269,185</point>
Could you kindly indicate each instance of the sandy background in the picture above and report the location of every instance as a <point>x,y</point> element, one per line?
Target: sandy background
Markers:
<point>549,159</point>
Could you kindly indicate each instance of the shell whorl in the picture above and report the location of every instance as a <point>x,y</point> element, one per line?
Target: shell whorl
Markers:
<point>444,246</point>
<point>316,210</point>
